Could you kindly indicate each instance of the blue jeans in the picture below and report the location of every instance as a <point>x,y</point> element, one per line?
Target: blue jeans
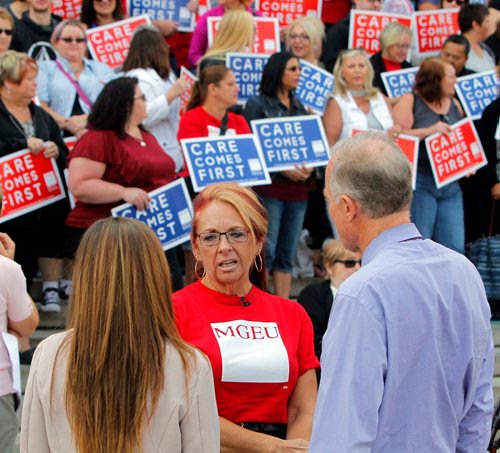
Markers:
<point>286,219</point>
<point>439,213</point>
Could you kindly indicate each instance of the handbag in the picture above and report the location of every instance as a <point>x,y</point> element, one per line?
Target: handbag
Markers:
<point>485,255</point>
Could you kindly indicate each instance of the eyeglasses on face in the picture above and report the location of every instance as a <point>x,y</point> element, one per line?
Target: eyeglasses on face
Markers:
<point>301,37</point>
<point>7,31</point>
<point>142,97</point>
<point>349,263</point>
<point>69,40</point>
<point>213,237</point>
<point>402,46</point>
<point>294,68</point>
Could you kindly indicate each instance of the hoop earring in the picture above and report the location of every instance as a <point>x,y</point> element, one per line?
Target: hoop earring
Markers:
<point>259,267</point>
<point>196,271</point>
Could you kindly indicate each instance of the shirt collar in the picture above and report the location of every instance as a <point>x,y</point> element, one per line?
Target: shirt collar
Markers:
<point>400,233</point>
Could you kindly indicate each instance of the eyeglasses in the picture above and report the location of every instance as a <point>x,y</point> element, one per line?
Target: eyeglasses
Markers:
<point>301,37</point>
<point>402,46</point>
<point>458,2</point>
<point>233,237</point>
<point>142,96</point>
<point>349,263</point>
<point>70,40</point>
<point>294,68</point>
<point>7,31</point>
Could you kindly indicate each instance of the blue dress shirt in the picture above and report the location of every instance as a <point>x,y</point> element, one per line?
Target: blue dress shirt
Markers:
<point>407,359</point>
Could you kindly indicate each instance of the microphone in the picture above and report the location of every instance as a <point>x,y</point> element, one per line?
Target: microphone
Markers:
<point>244,303</point>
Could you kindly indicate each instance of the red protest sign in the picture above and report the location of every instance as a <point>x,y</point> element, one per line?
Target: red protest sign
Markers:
<point>456,154</point>
<point>365,28</point>
<point>109,44</point>
<point>409,146</point>
<point>190,78</point>
<point>70,142</point>
<point>286,11</point>
<point>67,9</point>
<point>29,182</point>
<point>266,39</point>
<point>433,27</point>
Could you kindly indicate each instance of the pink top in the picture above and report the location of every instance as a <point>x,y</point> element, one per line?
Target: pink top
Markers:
<point>15,305</point>
<point>199,40</point>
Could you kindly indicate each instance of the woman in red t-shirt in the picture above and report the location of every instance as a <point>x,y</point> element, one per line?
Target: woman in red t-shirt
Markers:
<point>260,346</point>
<point>211,97</point>
<point>116,161</point>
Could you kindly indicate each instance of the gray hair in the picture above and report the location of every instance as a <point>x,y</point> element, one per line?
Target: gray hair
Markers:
<point>373,170</point>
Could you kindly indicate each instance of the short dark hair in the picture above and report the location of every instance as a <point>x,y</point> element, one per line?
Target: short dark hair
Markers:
<point>460,40</point>
<point>470,13</point>
<point>428,79</point>
<point>113,106</point>
<point>148,49</point>
<point>271,82</point>
<point>88,15</point>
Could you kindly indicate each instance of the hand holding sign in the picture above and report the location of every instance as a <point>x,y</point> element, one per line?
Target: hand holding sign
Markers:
<point>138,197</point>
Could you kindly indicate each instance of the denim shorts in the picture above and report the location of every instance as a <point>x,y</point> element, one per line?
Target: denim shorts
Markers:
<point>286,219</point>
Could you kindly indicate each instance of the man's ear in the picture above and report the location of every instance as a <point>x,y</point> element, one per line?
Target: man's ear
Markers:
<point>349,206</point>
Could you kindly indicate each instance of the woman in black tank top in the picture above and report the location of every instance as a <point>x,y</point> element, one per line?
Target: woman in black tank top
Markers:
<point>432,108</point>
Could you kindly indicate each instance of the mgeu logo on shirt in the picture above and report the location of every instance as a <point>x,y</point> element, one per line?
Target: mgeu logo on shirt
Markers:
<point>251,351</point>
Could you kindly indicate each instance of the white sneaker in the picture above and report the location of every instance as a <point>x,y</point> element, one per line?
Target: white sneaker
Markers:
<point>50,302</point>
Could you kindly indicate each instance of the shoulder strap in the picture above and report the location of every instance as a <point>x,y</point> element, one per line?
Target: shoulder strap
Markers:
<point>223,125</point>
<point>75,83</point>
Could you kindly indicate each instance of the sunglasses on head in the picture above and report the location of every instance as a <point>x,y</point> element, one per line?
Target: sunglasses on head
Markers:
<point>7,31</point>
<point>348,263</point>
<point>70,40</point>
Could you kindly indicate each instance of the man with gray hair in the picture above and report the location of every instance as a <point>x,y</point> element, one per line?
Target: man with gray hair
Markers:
<point>407,359</point>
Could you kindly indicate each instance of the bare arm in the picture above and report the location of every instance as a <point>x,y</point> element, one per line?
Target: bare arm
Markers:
<point>28,325</point>
<point>332,121</point>
<point>301,407</point>
<point>58,118</point>
<point>86,183</point>
<point>403,115</point>
<point>234,438</point>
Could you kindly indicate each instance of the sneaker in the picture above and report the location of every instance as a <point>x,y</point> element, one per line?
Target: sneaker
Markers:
<point>64,293</point>
<point>50,302</point>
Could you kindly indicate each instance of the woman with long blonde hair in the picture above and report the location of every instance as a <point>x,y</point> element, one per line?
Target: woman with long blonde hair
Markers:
<point>235,34</point>
<point>121,378</point>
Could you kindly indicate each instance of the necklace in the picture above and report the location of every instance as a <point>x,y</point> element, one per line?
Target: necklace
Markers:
<point>357,93</point>
<point>140,140</point>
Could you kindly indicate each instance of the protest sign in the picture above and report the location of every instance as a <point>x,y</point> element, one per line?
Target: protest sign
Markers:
<point>314,86</point>
<point>247,69</point>
<point>175,10</point>
<point>286,11</point>
<point>169,213</point>
<point>291,141</point>
<point>190,78</point>
<point>220,159</point>
<point>399,82</point>
<point>29,182</point>
<point>266,38</point>
<point>456,154</point>
<point>476,92</point>
<point>109,44</point>
<point>67,9</point>
<point>431,28</point>
<point>365,28</point>
<point>409,146</point>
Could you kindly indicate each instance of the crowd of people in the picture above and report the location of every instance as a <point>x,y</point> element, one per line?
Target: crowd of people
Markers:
<point>190,349</point>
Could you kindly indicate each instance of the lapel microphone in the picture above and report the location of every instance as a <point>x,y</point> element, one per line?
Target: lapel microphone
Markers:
<point>244,303</point>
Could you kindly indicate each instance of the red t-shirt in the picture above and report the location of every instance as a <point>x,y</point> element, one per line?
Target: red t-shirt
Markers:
<point>198,122</point>
<point>257,352</point>
<point>127,163</point>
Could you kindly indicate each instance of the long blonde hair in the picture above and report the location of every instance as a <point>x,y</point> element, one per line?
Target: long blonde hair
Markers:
<point>236,31</point>
<point>121,316</point>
